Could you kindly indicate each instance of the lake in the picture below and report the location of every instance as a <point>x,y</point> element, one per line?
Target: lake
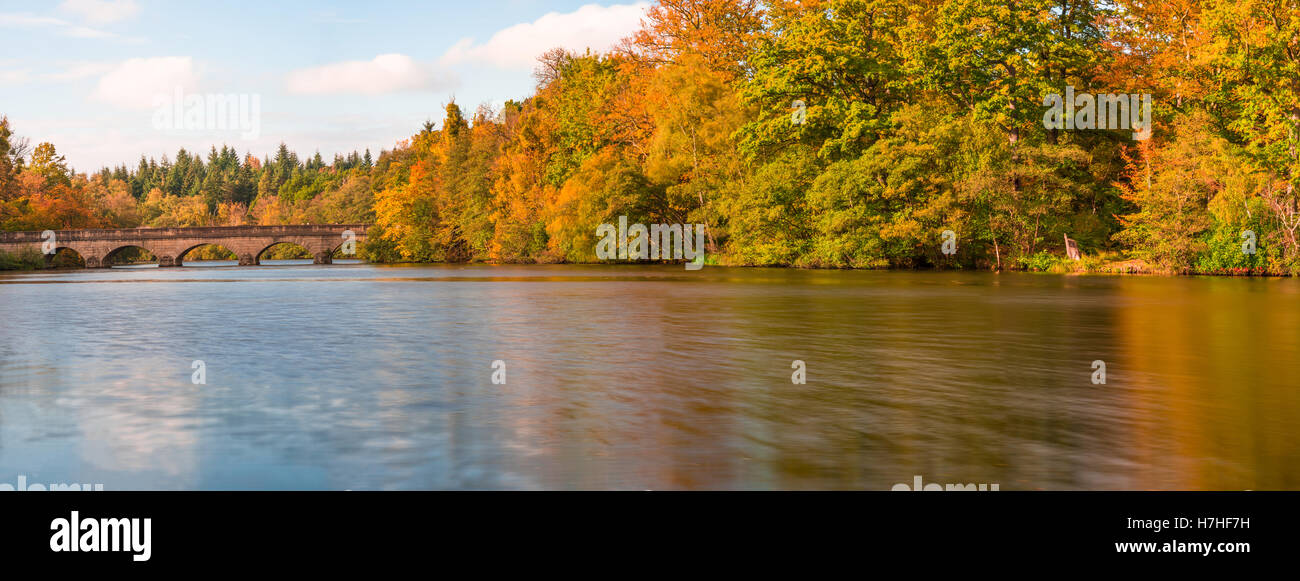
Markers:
<point>364,377</point>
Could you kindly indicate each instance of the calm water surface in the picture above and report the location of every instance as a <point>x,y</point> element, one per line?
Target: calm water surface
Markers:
<point>355,376</point>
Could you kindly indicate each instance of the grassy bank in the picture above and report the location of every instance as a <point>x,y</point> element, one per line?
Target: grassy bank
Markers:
<point>1118,263</point>
<point>26,259</point>
<point>1107,262</point>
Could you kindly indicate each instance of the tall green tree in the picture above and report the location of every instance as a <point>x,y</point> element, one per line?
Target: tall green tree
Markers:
<point>827,73</point>
<point>50,166</point>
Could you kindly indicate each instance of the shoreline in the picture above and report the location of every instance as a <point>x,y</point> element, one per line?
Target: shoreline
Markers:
<point>1129,267</point>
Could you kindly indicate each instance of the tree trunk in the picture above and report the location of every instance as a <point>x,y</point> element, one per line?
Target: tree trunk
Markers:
<point>997,253</point>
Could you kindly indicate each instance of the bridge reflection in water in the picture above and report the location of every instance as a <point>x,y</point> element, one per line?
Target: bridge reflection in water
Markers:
<point>169,245</point>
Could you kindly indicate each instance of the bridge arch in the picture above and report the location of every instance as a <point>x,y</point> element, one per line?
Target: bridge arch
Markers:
<point>337,250</point>
<point>312,249</point>
<point>283,245</point>
<point>129,252</point>
<point>223,249</point>
<point>65,256</point>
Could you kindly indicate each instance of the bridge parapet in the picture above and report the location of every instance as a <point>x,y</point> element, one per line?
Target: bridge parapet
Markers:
<point>128,234</point>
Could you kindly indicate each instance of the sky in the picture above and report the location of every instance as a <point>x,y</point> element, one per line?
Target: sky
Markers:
<point>107,81</point>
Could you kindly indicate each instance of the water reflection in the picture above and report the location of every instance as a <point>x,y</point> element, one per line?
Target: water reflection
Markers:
<point>367,377</point>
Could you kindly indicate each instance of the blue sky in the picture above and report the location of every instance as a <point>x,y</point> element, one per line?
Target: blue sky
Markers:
<point>90,76</point>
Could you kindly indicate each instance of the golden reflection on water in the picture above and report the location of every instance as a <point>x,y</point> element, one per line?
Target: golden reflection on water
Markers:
<point>1216,390</point>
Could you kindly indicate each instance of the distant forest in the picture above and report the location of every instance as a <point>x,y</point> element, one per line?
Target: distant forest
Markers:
<point>820,133</point>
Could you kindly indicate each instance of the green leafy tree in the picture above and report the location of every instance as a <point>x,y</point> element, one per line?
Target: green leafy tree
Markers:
<point>827,73</point>
<point>50,166</point>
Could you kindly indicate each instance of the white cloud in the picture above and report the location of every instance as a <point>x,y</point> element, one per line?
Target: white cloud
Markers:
<point>80,70</point>
<point>387,73</point>
<point>29,21</point>
<point>517,47</point>
<point>135,84</point>
<point>86,32</point>
<point>70,72</point>
<point>12,20</point>
<point>100,11</point>
<point>14,77</point>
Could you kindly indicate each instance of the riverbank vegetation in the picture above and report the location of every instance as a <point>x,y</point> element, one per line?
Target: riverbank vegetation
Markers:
<point>822,133</point>
<point>25,259</point>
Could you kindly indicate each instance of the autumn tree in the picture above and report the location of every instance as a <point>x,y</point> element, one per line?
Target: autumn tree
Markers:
<point>1255,93</point>
<point>50,166</point>
<point>7,169</point>
<point>721,32</point>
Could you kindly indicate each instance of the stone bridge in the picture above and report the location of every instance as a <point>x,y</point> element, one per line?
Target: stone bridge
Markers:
<point>169,245</point>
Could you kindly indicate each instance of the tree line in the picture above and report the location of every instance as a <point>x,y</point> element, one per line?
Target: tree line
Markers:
<point>814,133</point>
